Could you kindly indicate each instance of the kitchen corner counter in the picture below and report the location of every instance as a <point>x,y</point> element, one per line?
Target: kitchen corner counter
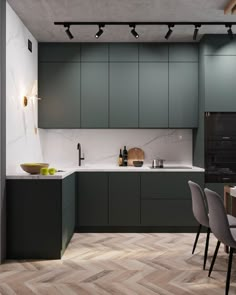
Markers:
<point>105,168</point>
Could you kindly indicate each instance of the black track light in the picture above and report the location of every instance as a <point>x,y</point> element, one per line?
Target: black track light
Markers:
<point>167,36</point>
<point>195,33</point>
<point>133,32</point>
<point>68,32</point>
<point>100,31</point>
<point>230,32</point>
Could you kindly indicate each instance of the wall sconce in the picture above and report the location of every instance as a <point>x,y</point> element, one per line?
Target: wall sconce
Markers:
<point>32,93</point>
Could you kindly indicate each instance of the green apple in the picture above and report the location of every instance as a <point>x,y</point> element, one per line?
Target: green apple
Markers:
<point>44,171</point>
<point>52,171</point>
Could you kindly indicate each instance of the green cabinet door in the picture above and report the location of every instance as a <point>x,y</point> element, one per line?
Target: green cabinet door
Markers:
<point>183,52</point>
<point>59,52</point>
<point>153,95</point>
<point>123,52</point>
<point>123,89</point>
<point>92,202</point>
<point>124,199</point>
<point>153,52</point>
<point>93,52</point>
<point>220,86</point>
<point>183,95</point>
<point>68,209</point>
<point>94,95</point>
<point>59,90</point>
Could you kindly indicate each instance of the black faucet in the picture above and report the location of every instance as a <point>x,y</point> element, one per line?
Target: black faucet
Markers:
<point>80,158</point>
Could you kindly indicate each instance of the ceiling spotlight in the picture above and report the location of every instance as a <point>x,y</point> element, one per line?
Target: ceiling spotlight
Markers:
<point>133,32</point>
<point>68,32</point>
<point>167,36</point>
<point>195,33</point>
<point>100,31</point>
<point>230,32</point>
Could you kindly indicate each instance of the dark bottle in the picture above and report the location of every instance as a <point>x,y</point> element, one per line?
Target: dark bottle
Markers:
<point>120,159</point>
<point>125,157</point>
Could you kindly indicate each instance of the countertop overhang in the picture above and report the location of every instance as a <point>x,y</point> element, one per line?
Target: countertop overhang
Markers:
<point>105,168</point>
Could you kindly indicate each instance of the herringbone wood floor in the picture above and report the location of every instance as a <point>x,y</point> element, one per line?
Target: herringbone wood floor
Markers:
<point>121,264</point>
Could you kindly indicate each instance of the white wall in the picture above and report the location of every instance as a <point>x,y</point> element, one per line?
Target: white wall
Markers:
<point>102,146</point>
<point>22,143</point>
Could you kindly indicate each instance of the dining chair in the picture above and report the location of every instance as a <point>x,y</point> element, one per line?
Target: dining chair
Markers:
<point>220,227</point>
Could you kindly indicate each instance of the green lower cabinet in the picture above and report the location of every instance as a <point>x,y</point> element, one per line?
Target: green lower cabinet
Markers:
<point>40,217</point>
<point>92,199</point>
<point>124,199</point>
<point>166,198</point>
<point>167,213</point>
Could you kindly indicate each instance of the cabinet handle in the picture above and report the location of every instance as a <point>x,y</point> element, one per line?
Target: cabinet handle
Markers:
<point>225,137</point>
<point>226,178</point>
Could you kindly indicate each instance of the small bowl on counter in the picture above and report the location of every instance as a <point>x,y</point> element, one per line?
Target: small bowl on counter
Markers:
<point>138,163</point>
<point>33,168</point>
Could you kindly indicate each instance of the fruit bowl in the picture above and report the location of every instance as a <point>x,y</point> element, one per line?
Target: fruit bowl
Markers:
<point>33,168</point>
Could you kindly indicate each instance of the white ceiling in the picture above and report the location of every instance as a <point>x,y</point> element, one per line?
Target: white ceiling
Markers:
<point>39,16</point>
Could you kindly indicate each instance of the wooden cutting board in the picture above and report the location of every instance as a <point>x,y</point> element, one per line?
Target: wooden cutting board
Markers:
<point>135,154</point>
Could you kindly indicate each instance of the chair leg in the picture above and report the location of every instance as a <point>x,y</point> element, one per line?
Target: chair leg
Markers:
<point>196,239</point>
<point>206,247</point>
<point>229,271</point>
<point>214,258</point>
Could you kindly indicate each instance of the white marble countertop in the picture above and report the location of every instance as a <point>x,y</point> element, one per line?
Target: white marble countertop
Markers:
<point>105,168</point>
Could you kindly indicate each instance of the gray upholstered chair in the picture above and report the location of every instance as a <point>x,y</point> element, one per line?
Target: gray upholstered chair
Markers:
<point>200,213</point>
<point>220,227</point>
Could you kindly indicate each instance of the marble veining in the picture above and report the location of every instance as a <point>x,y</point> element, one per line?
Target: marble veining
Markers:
<point>101,146</point>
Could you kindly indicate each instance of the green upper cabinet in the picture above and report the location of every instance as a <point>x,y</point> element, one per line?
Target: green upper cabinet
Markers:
<point>220,86</point>
<point>183,95</point>
<point>59,88</point>
<point>123,89</point>
<point>94,95</point>
<point>153,52</point>
<point>123,52</point>
<point>153,95</point>
<point>181,52</point>
<point>218,45</point>
<point>91,52</point>
<point>59,52</point>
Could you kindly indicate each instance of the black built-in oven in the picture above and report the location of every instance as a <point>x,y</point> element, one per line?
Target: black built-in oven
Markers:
<point>220,147</point>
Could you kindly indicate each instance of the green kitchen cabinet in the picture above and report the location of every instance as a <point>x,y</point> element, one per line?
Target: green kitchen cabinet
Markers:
<point>59,90</point>
<point>166,198</point>
<point>92,199</point>
<point>153,95</point>
<point>183,52</point>
<point>123,52</point>
<point>218,44</point>
<point>183,95</point>
<point>91,52</point>
<point>59,52</point>
<point>94,95</point>
<point>220,86</point>
<point>124,199</point>
<point>153,52</point>
<point>123,90</point>
<point>40,217</point>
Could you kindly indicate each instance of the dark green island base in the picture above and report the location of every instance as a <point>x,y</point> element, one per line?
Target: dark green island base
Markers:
<point>43,214</point>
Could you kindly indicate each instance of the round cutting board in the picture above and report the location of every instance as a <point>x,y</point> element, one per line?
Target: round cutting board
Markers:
<point>135,154</point>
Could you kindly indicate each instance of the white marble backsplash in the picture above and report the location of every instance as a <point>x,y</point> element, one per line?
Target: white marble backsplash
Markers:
<point>101,146</point>
<point>22,139</point>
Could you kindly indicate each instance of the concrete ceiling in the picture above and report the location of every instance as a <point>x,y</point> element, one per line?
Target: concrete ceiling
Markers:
<point>39,15</point>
